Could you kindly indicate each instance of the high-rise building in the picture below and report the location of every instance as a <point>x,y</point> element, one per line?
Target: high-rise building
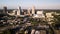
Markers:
<point>19,11</point>
<point>33,9</point>
<point>29,11</point>
<point>5,9</point>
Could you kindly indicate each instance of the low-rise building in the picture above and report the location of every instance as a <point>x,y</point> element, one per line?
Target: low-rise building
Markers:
<point>49,18</point>
<point>39,15</point>
<point>13,13</point>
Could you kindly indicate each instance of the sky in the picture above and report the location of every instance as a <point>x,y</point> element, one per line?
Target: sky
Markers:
<point>39,4</point>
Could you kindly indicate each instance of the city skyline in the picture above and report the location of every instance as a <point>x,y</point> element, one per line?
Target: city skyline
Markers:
<point>39,4</point>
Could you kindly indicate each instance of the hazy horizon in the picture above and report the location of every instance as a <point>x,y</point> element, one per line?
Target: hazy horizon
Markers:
<point>39,4</point>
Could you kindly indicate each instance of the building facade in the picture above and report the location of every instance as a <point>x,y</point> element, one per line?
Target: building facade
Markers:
<point>5,9</point>
<point>49,18</point>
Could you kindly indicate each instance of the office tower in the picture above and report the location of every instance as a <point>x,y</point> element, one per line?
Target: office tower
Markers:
<point>21,11</point>
<point>33,9</point>
<point>4,9</point>
<point>18,11</point>
<point>29,11</point>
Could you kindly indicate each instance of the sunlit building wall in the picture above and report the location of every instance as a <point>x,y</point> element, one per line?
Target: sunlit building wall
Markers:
<point>39,14</point>
<point>49,15</point>
<point>49,18</point>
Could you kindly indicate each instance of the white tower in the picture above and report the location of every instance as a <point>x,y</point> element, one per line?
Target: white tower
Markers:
<point>29,11</point>
<point>33,9</point>
<point>18,11</point>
